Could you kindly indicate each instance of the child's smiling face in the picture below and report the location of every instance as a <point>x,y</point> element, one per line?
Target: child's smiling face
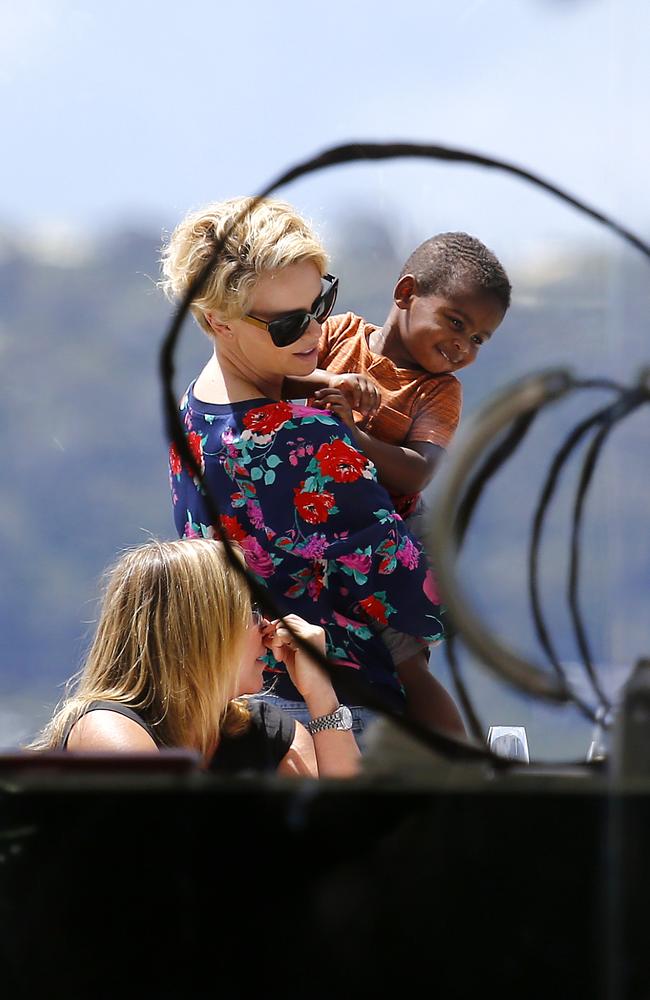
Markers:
<point>444,333</point>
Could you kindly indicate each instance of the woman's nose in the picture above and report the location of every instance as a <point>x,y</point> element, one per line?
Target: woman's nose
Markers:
<point>311,336</point>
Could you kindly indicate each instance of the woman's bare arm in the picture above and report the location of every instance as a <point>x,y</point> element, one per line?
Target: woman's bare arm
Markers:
<point>102,731</point>
<point>335,752</point>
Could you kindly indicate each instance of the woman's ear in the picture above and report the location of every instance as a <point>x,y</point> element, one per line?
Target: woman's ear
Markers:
<point>217,327</point>
<point>404,291</point>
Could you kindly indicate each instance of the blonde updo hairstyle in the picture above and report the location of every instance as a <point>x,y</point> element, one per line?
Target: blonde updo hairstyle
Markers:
<point>168,643</point>
<point>265,237</point>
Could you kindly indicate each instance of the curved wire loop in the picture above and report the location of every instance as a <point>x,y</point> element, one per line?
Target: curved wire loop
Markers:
<point>616,413</point>
<point>516,407</point>
<point>525,397</point>
<point>349,153</point>
<point>546,495</point>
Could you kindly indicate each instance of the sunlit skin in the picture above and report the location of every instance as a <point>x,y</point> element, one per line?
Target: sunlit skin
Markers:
<point>329,753</point>
<point>437,333</point>
<point>246,363</point>
<point>273,635</point>
<point>250,679</point>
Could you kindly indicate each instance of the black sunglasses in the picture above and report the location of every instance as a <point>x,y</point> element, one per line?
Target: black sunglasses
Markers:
<point>287,329</point>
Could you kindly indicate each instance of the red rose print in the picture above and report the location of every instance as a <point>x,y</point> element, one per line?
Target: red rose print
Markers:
<point>175,461</point>
<point>194,442</point>
<point>267,419</point>
<point>374,607</point>
<point>233,528</point>
<point>313,507</point>
<point>340,462</point>
<point>317,582</point>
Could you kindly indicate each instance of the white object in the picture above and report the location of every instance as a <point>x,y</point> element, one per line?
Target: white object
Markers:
<point>509,741</point>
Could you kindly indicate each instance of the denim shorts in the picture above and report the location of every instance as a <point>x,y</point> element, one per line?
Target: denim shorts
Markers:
<point>361,716</point>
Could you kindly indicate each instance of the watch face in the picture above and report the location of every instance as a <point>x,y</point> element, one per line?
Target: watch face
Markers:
<point>345,716</point>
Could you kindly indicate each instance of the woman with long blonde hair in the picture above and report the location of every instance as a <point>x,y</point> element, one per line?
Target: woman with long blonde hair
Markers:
<point>177,647</point>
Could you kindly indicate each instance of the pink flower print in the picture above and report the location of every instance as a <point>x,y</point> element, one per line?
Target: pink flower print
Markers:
<point>297,452</point>
<point>347,663</point>
<point>257,558</point>
<point>317,581</point>
<point>430,588</point>
<point>408,554</point>
<point>314,548</point>
<point>254,512</point>
<point>346,622</point>
<point>304,411</point>
<point>357,560</point>
<point>189,531</point>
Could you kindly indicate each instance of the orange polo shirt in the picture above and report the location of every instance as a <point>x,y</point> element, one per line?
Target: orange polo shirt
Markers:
<point>415,405</point>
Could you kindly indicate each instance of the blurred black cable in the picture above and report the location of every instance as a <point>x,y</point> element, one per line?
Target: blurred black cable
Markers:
<point>557,464</point>
<point>620,409</point>
<point>349,153</point>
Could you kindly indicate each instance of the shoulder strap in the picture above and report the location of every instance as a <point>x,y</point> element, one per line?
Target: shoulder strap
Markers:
<point>111,706</point>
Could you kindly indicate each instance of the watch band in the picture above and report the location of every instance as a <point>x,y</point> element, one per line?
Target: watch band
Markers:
<point>340,719</point>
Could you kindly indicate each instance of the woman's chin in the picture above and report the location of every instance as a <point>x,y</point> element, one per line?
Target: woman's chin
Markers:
<point>306,361</point>
<point>254,680</point>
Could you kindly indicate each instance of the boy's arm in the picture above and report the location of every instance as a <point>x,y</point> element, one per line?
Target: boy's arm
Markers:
<point>427,701</point>
<point>400,469</point>
<point>360,392</point>
<point>301,386</point>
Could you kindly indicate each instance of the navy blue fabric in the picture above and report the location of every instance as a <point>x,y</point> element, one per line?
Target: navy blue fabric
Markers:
<point>315,526</point>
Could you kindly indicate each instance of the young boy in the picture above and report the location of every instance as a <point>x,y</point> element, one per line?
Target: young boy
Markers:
<point>399,380</point>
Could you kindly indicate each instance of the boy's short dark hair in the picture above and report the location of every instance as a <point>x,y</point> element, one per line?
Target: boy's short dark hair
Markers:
<point>444,262</point>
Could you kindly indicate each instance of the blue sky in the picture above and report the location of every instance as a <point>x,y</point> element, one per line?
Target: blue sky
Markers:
<point>136,110</point>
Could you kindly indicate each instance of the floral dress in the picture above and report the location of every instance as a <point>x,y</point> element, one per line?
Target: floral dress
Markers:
<point>315,527</point>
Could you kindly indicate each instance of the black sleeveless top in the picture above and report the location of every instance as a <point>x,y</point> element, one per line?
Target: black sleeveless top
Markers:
<point>260,748</point>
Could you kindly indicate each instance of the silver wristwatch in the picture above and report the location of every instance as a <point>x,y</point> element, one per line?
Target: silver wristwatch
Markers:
<point>340,719</point>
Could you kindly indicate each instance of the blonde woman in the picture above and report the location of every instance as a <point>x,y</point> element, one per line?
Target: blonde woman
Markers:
<point>301,500</point>
<point>177,645</point>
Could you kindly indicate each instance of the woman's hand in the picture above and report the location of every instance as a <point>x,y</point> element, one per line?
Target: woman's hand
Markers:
<point>329,753</point>
<point>305,672</point>
<point>360,392</point>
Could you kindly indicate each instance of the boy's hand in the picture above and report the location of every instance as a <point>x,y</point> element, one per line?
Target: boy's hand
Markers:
<point>334,400</point>
<point>360,392</point>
